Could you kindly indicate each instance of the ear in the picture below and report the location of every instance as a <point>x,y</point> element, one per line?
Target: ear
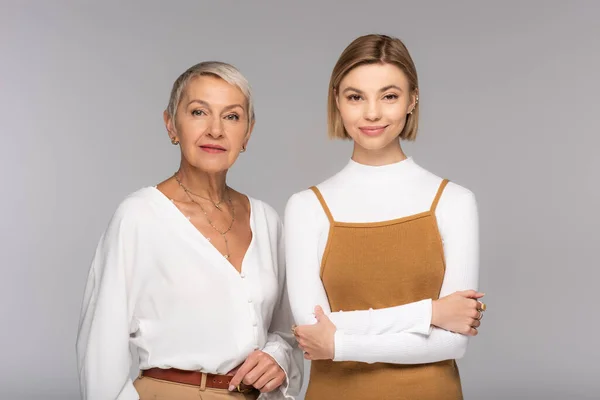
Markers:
<point>414,99</point>
<point>169,124</point>
<point>249,133</point>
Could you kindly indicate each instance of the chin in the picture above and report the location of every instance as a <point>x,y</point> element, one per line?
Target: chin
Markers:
<point>374,143</point>
<point>213,167</point>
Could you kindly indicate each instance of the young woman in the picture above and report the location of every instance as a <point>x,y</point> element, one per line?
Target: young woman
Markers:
<point>190,271</point>
<point>382,258</point>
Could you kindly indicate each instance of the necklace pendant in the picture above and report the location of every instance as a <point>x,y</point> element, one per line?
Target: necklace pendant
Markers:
<point>226,256</point>
<point>218,207</point>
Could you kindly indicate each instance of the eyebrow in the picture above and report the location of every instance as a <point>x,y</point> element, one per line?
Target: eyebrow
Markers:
<point>205,104</point>
<point>383,89</point>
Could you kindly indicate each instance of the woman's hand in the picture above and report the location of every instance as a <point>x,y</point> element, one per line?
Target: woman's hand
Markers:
<point>259,370</point>
<point>459,312</point>
<point>317,341</point>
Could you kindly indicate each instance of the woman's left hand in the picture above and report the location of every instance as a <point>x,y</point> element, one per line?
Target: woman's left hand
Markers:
<point>317,341</point>
<point>259,370</point>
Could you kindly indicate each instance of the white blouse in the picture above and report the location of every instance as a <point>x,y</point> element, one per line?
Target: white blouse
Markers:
<point>362,193</point>
<point>157,283</point>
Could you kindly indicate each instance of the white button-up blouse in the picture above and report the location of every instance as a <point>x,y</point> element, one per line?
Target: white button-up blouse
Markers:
<point>157,283</point>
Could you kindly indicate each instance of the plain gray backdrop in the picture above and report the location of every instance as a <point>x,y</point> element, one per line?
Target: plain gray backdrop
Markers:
<point>509,103</point>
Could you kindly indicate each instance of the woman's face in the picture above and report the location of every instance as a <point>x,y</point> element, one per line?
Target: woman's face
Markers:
<point>211,124</point>
<point>374,101</point>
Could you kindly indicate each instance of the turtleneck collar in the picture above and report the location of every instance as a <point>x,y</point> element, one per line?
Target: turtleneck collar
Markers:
<point>380,172</point>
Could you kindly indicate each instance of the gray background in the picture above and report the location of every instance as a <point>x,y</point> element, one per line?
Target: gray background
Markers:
<point>509,95</point>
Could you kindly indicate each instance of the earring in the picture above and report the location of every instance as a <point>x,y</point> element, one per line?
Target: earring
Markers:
<point>243,149</point>
<point>174,141</point>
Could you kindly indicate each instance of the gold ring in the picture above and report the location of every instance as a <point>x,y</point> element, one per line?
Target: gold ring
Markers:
<point>294,329</point>
<point>480,315</point>
<point>482,306</point>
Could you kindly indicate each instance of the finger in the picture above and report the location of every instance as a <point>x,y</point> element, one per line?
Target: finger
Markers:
<point>271,373</point>
<point>472,294</point>
<point>319,313</point>
<point>468,293</point>
<point>474,304</point>
<point>273,384</point>
<point>265,362</point>
<point>246,367</point>
<point>473,332</point>
<point>476,324</point>
<point>307,356</point>
<point>299,331</point>
<point>233,371</point>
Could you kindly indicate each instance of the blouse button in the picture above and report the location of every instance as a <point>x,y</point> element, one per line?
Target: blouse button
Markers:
<point>242,275</point>
<point>249,300</point>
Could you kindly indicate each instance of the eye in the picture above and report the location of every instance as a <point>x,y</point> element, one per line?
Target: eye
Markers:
<point>232,117</point>
<point>354,97</point>
<point>390,96</point>
<point>198,113</point>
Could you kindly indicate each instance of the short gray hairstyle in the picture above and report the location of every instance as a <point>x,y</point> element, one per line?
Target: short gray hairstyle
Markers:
<point>227,72</point>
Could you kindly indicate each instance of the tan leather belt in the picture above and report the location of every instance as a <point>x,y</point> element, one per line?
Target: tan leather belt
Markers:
<point>194,378</point>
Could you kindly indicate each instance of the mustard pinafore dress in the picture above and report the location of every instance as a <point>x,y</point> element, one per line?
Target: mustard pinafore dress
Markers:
<point>379,265</point>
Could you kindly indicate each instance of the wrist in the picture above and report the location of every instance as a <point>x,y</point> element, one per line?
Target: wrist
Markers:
<point>434,312</point>
<point>331,352</point>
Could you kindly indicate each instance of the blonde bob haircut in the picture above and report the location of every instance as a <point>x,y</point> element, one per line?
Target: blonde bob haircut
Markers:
<point>372,49</point>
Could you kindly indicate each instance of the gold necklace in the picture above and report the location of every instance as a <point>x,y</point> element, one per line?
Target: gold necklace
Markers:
<point>217,204</point>
<point>222,233</point>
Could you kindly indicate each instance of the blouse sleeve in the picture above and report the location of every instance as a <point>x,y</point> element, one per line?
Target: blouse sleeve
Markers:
<point>281,344</point>
<point>103,356</point>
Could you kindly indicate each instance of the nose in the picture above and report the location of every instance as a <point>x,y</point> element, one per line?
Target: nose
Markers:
<point>215,130</point>
<point>372,111</point>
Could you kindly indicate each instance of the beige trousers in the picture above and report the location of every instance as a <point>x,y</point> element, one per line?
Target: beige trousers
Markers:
<point>156,389</point>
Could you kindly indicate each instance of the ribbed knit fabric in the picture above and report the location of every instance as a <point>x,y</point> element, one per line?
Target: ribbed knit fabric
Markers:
<point>378,265</point>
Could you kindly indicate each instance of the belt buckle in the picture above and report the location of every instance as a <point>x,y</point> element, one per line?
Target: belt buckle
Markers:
<point>240,390</point>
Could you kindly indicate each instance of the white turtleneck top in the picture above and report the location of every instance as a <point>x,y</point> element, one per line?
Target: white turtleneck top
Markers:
<point>361,193</point>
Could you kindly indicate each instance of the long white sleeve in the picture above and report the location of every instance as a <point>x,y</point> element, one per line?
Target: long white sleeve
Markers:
<point>103,354</point>
<point>458,224</point>
<point>281,344</point>
<point>304,220</point>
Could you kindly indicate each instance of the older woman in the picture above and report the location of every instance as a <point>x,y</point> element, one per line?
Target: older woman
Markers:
<point>191,272</point>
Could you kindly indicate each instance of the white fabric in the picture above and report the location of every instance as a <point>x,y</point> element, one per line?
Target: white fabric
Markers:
<point>361,193</point>
<point>156,282</point>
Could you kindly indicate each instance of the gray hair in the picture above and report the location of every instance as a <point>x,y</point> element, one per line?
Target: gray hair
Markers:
<point>227,72</point>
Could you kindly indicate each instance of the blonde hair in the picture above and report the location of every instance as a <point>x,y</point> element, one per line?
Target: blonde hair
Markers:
<point>372,49</point>
<point>227,72</point>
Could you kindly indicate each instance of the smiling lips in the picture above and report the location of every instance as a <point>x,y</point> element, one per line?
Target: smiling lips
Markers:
<point>213,148</point>
<point>373,130</point>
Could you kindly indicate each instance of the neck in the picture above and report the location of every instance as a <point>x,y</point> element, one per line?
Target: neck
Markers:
<point>388,155</point>
<point>209,185</point>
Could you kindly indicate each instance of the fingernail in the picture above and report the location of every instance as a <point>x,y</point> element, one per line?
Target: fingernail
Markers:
<point>231,388</point>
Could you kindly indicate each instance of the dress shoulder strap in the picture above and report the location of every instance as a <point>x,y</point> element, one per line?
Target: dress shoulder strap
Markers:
<point>438,195</point>
<point>323,204</point>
